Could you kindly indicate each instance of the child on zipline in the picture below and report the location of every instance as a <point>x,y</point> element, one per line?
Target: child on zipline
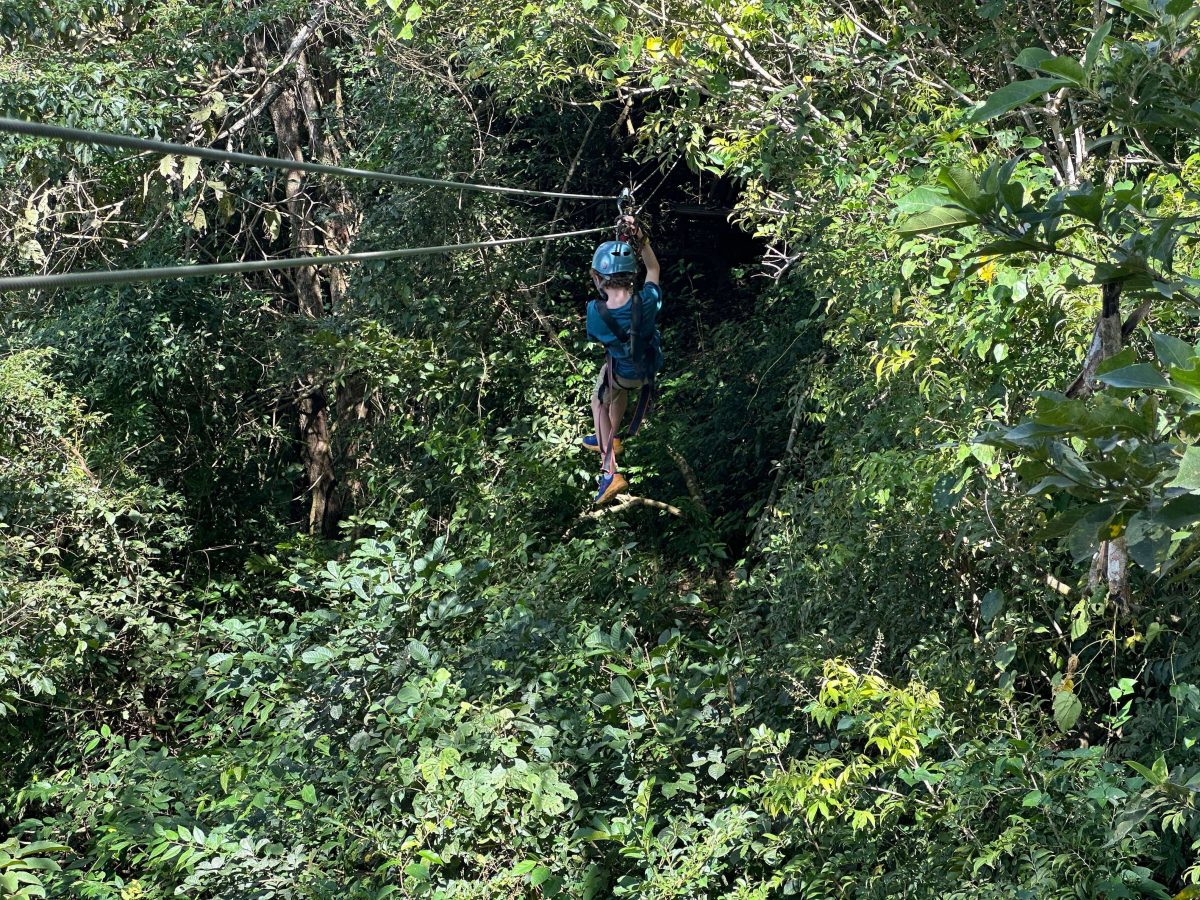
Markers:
<point>623,320</point>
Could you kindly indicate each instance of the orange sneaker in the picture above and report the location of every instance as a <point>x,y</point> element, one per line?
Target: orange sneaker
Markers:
<point>591,442</point>
<point>611,484</point>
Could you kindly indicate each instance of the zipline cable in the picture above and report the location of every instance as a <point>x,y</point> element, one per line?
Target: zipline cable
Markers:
<point>126,276</point>
<point>124,142</point>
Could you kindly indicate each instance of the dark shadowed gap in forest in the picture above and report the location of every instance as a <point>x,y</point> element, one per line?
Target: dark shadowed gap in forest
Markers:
<point>732,347</point>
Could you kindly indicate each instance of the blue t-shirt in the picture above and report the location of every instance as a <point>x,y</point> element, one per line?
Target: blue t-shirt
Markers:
<point>650,297</point>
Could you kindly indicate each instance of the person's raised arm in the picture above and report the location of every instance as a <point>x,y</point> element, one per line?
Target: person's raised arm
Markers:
<point>653,270</point>
<point>649,260</point>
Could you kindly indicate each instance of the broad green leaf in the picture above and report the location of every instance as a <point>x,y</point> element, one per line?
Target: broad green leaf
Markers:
<point>191,168</point>
<point>1067,710</point>
<point>1013,95</point>
<point>1095,44</point>
<point>1188,476</point>
<point>960,183</point>
<point>1156,775</point>
<point>308,794</point>
<point>1141,375</point>
<point>991,604</point>
<point>1032,57</point>
<point>1085,532</point>
<point>1171,351</point>
<point>317,656</point>
<point>1186,383</point>
<point>921,199</point>
<point>1087,203</point>
<point>621,689</point>
<point>1141,8</point>
<point>1126,357</point>
<point>939,219</point>
<point>1181,512</point>
<point>1148,540</point>
<point>1144,771</point>
<point>1069,463</point>
<point>1065,67</point>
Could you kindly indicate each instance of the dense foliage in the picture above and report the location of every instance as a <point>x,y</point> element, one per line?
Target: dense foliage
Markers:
<point>300,591</point>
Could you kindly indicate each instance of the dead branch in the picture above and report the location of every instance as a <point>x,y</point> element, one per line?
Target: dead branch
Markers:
<point>627,501</point>
<point>689,478</point>
<point>272,85</point>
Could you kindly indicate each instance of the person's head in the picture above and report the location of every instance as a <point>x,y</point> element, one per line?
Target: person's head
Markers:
<point>614,265</point>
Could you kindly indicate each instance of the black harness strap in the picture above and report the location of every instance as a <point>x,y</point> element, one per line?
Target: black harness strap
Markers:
<point>610,320</point>
<point>646,395</point>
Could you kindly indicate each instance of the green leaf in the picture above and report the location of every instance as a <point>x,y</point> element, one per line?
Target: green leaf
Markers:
<point>1188,476</point>
<point>1085,532</point>
<point>960,183</point>
<point>1155,776</point>
<point>1004,248</point>
<point>1148,540</point>
<point>1032,57</point>
<point>317,656</point>
<point>1094,45</point>
<point>308,794</point>
<point>1067,710</point>
<point>191,168</point>
<point>621,689</point>
<point>1141,8</point>
<point>1013,95</point>
<point>1117,361</point>
<point>1069,463</point>
<point>921,199</point>
<point>991,604</point>
<point>1181,512</point>
<point>1171,351</point>
<point>939,219</point>
<point>1141,375</point>
<point>1186,383</point>
<point>1065,67</point>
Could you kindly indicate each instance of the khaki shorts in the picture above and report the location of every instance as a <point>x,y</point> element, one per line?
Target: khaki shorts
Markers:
<point>619,384</point>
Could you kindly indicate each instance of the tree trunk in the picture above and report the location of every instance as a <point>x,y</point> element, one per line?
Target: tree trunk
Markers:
<point>296,116</point>
<point>1110,564</point>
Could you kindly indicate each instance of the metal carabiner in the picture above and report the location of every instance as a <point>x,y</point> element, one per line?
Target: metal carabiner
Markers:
<point>624,201</point>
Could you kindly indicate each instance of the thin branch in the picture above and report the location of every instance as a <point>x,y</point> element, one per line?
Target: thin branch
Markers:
<point>271,85</point>
<point>689,478</point>
<point>627,501</point>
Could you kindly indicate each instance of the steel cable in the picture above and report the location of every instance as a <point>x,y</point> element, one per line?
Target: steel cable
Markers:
<point>126,276</point>
<point>85,136</point>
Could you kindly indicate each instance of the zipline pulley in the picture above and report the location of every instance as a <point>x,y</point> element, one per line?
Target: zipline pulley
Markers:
<point>627,230</point>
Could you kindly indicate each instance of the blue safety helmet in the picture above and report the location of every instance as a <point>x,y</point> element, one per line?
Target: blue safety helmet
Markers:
<point>614,258</point>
